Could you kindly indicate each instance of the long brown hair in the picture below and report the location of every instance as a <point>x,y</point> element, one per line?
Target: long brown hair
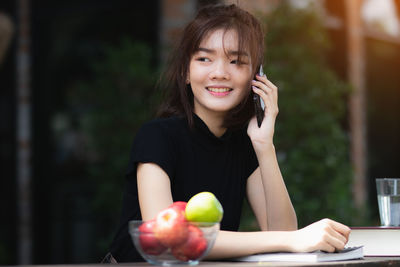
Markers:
<point>179,96</point>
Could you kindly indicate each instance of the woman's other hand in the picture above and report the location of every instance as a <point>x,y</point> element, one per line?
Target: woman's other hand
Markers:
<point>326,235</point>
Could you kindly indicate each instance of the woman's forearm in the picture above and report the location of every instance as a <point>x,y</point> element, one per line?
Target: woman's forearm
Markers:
<point>235,244</point>
<point>326,235</point>
<point>280,211</point>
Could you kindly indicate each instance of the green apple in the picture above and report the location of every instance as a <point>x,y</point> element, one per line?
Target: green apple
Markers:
<point>204,207</point>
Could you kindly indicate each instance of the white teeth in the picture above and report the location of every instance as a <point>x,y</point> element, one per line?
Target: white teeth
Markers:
<point>219,90</point>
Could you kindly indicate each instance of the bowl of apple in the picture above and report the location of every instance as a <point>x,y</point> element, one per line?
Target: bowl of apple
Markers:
<point>175,236</point>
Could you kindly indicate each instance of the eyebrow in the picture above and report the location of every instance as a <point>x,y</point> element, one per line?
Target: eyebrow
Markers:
<point>230,52</point>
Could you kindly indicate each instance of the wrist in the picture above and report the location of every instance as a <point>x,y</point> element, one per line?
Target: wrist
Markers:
<point>288,241</point>
<point>264,148</point>
<point>279,241</point>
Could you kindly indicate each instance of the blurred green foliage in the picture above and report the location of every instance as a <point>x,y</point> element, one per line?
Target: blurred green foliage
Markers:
<point>110,108</point>
<point>311,140</point>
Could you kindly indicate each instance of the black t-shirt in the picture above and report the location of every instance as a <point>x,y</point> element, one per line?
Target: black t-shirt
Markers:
<point>195,161</point>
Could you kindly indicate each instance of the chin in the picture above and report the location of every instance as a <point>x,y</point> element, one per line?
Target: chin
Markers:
<point>220,106</point>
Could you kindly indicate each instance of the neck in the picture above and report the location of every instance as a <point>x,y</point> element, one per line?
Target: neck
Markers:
<point>213,122</point>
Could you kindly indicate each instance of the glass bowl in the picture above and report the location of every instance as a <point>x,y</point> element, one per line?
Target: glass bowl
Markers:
<point>185,243</point>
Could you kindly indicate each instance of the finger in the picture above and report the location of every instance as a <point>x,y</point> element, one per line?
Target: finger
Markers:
<point>329,242</point>
<point>332,236</point>
<point>331,230</point>
<point>262,86</point>
<point>336,243</point>
<point>336,239</point>
<point>266,96</point>
<point>341,228</point>
<point>270,90</point>
<point>326,246</point>
<point>265,80</point>
<point>270,101</point>
<point>261,93</point>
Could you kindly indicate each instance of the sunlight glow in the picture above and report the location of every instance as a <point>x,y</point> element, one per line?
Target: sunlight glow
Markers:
<point>302,4</point>
<point>381,15</point>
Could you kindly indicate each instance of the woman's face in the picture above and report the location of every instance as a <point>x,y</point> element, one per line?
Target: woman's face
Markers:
<point>218,82</point>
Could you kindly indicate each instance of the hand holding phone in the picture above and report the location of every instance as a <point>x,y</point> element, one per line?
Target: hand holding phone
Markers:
<point>259,105</point>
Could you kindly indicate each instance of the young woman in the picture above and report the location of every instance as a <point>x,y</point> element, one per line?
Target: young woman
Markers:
<point>207,139</point>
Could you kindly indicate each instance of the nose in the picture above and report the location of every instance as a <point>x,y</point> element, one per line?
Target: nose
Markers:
<point>220,71</point>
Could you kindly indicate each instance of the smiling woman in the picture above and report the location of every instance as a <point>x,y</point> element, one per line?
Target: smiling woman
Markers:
<point>207,139</point>
<point>243,36</point>
<point>219,80</point>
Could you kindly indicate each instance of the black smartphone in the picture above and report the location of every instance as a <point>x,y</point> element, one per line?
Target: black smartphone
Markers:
<point>259,103</point>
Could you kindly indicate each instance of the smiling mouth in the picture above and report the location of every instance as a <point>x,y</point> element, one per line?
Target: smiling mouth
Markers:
<point>219,90</point>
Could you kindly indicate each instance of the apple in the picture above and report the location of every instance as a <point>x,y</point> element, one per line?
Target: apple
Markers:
<point>204,207</point>
<point>180,205</point>
<point>148,242</point>
<point>171,227</point>
<point>194,246</point>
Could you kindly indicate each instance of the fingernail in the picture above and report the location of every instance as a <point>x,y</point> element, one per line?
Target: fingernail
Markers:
<point>254,88</point>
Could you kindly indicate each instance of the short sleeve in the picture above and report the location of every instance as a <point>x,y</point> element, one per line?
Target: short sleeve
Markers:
<point>152,144</point>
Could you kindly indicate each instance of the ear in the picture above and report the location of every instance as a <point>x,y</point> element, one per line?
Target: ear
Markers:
<point>187,79</point>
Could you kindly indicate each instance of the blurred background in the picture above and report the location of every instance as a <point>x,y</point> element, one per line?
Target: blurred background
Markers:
<point>77,79</point>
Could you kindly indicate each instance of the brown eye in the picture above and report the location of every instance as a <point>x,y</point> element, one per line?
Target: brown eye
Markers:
<point>238,62</point>
<point>203,59</point>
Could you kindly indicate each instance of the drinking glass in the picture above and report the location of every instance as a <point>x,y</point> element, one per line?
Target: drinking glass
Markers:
<point>388,190</point>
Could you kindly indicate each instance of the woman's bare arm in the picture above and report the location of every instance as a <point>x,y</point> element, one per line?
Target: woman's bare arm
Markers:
<point>155,195</point>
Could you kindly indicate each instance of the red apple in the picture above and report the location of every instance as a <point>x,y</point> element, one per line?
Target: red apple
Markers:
<point>171,227</point>
<point>180,205</point>
<point>194,246</point>
<point>148,242</point>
